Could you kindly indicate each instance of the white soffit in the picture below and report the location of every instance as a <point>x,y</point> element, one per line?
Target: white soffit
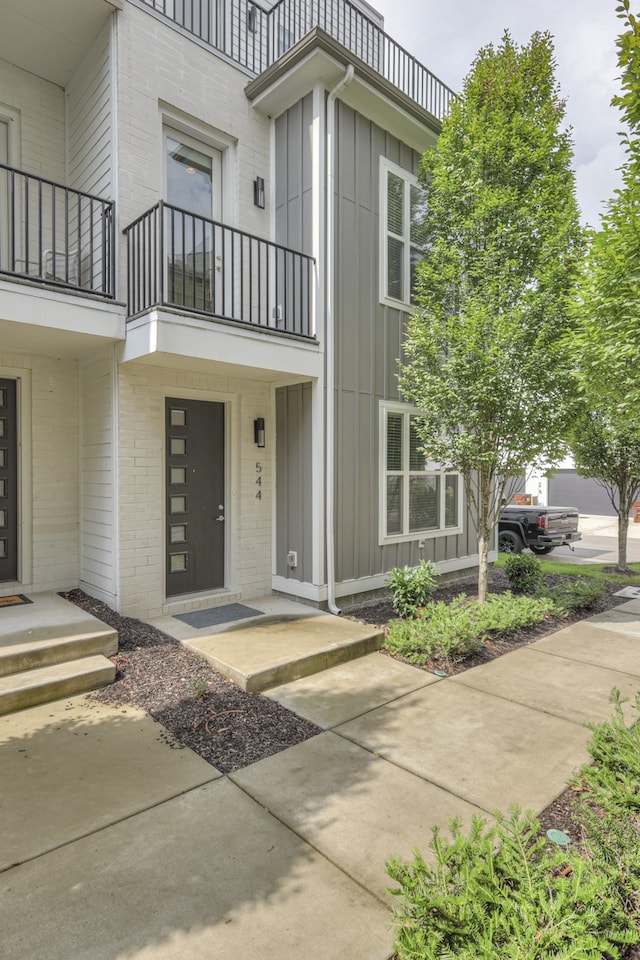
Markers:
<point>50,37</point>
<point>319,67</point>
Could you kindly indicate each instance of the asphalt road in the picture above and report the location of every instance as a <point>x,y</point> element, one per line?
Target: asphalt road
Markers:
<point>599,543</point>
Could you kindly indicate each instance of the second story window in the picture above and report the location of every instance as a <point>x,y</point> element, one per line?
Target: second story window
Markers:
<point>193,172</point>
<point>402,208</point>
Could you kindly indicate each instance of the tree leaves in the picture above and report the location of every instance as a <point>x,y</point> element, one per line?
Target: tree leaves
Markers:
<point>484,355</point>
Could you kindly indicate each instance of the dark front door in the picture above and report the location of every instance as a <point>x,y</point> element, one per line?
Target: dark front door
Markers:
<point>195,495</point>
<point>8,481</point>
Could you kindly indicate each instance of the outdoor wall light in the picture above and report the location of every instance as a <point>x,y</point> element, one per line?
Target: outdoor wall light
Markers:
<point>252,16</point>
<point>258,431</point>
<point>258,192</point>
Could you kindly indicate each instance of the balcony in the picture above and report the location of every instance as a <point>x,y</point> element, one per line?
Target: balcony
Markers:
<point>256,37</point>
<point>55,235</point>
<point>186,263</point>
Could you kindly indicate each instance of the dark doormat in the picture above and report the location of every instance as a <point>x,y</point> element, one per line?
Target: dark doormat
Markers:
<point>15,600</point>
<point>216,615</point>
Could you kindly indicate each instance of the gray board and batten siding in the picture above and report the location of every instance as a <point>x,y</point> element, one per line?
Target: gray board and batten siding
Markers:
<point>368,344</point>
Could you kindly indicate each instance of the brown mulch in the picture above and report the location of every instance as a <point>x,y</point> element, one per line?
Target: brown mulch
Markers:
<point>198,706</point>
<point>232,729</point>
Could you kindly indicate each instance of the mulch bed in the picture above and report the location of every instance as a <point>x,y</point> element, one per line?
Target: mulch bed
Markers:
<point>232,729</point>
<point>198,706</point>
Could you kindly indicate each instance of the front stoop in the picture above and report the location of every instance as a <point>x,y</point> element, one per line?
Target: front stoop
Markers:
<point>270,651</point>
<point>32,687</point>
<point>50,649</point>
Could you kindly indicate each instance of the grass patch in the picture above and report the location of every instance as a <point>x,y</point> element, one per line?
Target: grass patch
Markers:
<point>594,571</point>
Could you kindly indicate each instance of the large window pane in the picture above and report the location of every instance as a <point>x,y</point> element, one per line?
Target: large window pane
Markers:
<point>189,178</point>
<point>423,503</point>
<point>451,489</point>
<point>394,441</point>
<point>395,204</point>
<point>395,256</point>
<point>417,459</point>
<point>394,505</point>
<point>417,214</point>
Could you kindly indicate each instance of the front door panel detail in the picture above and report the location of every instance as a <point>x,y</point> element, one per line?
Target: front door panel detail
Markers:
<point>8,481</point>
<point>195,502</point>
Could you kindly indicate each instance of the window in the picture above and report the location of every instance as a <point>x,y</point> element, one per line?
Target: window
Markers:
<point>402,206</point>
<point>417,497</point>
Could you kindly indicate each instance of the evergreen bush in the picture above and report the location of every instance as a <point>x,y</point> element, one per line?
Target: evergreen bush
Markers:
<point>524,573</point>
<point>411,587</point>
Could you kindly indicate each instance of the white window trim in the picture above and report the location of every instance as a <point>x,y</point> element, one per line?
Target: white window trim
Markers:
<point>386,407</point>
<point>388,166</point>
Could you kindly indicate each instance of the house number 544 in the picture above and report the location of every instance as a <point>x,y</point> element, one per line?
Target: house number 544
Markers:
<point>259,480</point>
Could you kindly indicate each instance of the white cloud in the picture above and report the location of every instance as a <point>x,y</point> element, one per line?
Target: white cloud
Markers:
<point>446,37</point>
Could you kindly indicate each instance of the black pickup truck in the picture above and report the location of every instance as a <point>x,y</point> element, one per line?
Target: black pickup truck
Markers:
<point>542,529</point>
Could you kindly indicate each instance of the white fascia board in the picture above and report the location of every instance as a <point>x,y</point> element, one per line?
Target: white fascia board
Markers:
<point>158,332</point>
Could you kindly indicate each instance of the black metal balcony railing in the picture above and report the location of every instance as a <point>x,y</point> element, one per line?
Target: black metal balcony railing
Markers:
<point>177,259</point>
<point>52,233</point>
<point>256,37</point>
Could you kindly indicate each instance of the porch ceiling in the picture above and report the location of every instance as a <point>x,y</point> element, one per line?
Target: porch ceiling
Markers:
<point>49,37</point>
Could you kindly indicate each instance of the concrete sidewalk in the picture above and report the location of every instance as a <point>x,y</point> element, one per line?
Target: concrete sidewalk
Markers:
<point>117,846</point>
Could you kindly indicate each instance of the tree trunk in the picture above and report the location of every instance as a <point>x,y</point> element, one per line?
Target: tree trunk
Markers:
<point>483,567</point>
<point>624,500</point>
<point>623,529</point>
<point>484,532</point>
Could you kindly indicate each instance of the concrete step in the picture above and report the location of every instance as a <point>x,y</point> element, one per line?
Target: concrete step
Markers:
<point>22,651</point>
<point>270,651</point>
<point>30,687</point>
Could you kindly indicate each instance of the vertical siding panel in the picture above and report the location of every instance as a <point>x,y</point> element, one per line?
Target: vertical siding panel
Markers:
<point>369,342</point>
<point>89,120</point>
<point>293,480</point>
<point>98,478</point>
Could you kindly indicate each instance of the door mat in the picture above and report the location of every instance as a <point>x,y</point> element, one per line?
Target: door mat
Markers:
<point>217,615</point>
<point>14,601</point>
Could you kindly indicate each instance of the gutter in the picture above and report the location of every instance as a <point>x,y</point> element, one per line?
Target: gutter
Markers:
<point>330,338</point>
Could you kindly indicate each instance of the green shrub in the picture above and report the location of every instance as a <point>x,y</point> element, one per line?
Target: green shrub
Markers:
<point>457,629</point>
<point>579,595</point>
<point>503,892</point>
<point>524,573</point>
<point>411,587</point>
<point>613,780</point>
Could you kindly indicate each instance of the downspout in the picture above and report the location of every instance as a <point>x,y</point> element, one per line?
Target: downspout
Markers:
<point>330,339</point>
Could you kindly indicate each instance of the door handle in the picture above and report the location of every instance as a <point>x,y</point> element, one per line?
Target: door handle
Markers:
<point>220,519</point>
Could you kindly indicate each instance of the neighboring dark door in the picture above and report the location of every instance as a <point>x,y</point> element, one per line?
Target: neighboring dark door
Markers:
<point>8,481</point>
<point>195,495</point>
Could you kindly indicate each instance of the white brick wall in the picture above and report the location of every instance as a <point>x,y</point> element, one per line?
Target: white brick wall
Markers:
<point>42,111</point>
<point>142,391</point>
<point>50,442</point>
<point>159,69</point>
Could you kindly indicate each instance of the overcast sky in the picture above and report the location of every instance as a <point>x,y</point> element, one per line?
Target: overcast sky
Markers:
<point>446,35</point>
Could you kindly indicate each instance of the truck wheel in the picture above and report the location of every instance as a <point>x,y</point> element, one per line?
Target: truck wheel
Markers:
<point>509,542</point>
<point>540,550</point>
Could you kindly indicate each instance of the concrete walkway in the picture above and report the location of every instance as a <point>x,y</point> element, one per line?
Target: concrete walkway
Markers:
<point>117,846</point>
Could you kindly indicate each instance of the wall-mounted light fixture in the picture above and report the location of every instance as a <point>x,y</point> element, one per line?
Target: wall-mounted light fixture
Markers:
<point>252,16</point>
<point>258,431</point>
<point>258,192</point>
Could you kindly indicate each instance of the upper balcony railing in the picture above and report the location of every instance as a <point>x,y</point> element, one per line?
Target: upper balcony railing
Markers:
<point>179,260</point>
<point>54,234</point>
<point>256,37</point>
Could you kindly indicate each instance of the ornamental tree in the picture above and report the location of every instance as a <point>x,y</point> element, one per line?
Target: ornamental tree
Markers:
<point>606,448</point>
<point>484,359</point>
<point>605,341</point>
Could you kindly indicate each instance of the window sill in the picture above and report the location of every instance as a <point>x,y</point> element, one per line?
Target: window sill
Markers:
<point>417,536</point>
